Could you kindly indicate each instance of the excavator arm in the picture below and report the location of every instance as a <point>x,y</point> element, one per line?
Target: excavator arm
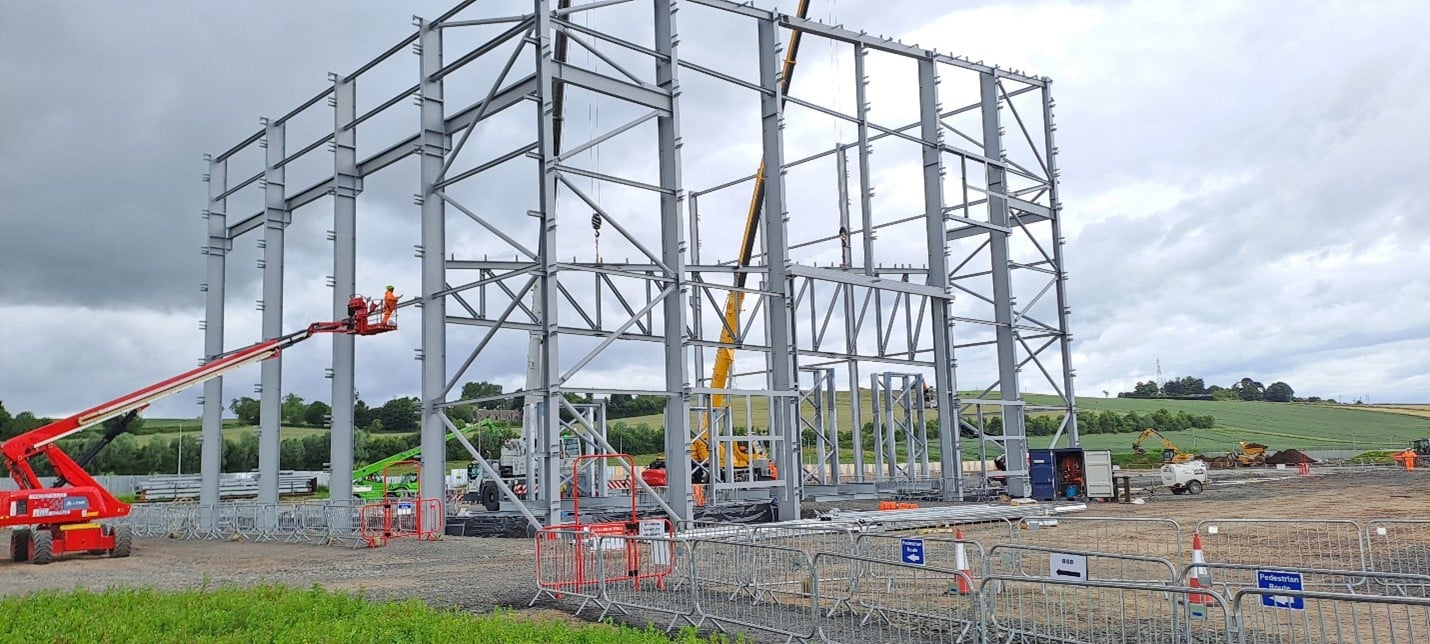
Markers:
<point>1170,452</point>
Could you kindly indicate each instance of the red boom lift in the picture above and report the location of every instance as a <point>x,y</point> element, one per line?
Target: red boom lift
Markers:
<point>63,518</point>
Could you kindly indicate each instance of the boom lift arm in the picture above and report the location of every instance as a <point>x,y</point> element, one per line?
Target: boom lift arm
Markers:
<point>64,512</point>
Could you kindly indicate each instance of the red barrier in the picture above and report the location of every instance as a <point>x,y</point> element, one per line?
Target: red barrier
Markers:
<point>581,558</point>
<point>398,518</point>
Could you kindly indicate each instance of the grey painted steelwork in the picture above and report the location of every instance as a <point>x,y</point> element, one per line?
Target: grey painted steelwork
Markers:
<point>677,406</point>
<point>275,224</point>
<point>781,357</point>
<point>900,425</point>
<point>987,234</point>
<point>433,150</point>
<point>216,248</point>
<point>346,187</point>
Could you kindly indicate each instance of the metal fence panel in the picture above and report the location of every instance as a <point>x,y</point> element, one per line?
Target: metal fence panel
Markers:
<point>1328,544</point>
<point>1120,535</point>
<point>1018,560</point>
<point>809,539</point>
<point>1399,546</point>
<point>714,530</point>
<point>567,566</point>
<point>755,586</point>
<point>653,573</point>
<point>1228,578</point>
<point>862,599</point>
<point>1050,610</point>
<point>936,551</point>
<point>1308,617</point>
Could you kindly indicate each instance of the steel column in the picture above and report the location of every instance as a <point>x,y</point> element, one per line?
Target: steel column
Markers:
<point>217,248</point>
<point>434,144</point>
<point>677,404</point>
<point>1015,440</point>
<point>945,382</point>
<point>548,423</point>
<point>783,414</point>
<point>346,186</point>
<point>275,223</point>
<point>851,330</point>
<point>1055,209</point>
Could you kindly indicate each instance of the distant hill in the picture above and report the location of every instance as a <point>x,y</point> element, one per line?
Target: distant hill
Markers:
<point>1278,425</point>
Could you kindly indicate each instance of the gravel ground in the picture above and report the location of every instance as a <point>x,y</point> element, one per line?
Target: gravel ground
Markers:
<point>468,573</point>
<point>479,574</point>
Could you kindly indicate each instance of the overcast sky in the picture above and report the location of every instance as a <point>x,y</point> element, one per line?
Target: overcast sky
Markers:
<point>1243,185</point>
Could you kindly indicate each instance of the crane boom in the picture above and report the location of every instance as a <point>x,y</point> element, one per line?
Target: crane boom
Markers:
<point>735,299</point>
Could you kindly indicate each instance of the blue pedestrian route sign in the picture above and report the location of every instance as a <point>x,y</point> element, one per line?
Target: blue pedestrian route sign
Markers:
<point>912,551</point>
<point>1280,580</point>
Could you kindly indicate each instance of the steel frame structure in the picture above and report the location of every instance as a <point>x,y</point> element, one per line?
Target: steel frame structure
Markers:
<point>986,293</point>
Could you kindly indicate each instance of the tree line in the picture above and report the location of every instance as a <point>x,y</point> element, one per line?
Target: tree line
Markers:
<point>133,454</point>
<point>1193,388</point>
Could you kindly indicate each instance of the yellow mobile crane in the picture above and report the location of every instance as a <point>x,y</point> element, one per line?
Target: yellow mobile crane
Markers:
<point>725,356</point>
<point>1170,452</point>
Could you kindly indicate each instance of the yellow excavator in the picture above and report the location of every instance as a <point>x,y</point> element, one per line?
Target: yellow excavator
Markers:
<point>734,300</point>
<point>1170,452</point>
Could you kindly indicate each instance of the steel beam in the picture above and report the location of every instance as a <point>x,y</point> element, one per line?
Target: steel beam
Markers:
<point>514,94</point>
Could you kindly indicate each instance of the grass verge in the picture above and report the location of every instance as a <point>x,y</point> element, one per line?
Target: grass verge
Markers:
<point>281,614</point>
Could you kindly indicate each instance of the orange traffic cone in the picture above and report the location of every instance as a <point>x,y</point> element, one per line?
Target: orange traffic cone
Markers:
<point>960,562</point>
<point>1199,577</point>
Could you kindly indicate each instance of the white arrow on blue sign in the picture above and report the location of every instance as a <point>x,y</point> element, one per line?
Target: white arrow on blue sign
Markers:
<point>912,551</point>
<point>1280,580</point>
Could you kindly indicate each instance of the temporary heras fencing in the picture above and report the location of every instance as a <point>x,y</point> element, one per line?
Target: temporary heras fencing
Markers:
<point>1309,617</point>
<point>862,599</point>
<point>1398,546</point>
<point>1228,578</point>
<point>1330,544</point>
<point>1125,535</point>
<point>915,586</point>
<point>1020,609</point>
<point>352,523</point>
<point>1019,560</point>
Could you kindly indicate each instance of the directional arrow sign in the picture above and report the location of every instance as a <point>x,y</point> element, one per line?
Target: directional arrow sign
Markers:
<point>1063,565</point>
<point>912,551</point>
<point>1279,580</point>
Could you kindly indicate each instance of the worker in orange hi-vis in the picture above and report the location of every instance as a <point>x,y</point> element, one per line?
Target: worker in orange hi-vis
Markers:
<point>389,304</point>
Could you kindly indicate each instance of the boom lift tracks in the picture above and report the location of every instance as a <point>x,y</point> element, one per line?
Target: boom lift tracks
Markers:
<point>64,518</point>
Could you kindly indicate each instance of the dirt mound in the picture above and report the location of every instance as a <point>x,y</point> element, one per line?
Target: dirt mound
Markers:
<point>1289,457</point>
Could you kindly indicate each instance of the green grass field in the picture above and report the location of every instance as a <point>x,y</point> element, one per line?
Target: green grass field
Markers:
<point>278,614</point>
<point>171,428</point>
<point>1278,425</point>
